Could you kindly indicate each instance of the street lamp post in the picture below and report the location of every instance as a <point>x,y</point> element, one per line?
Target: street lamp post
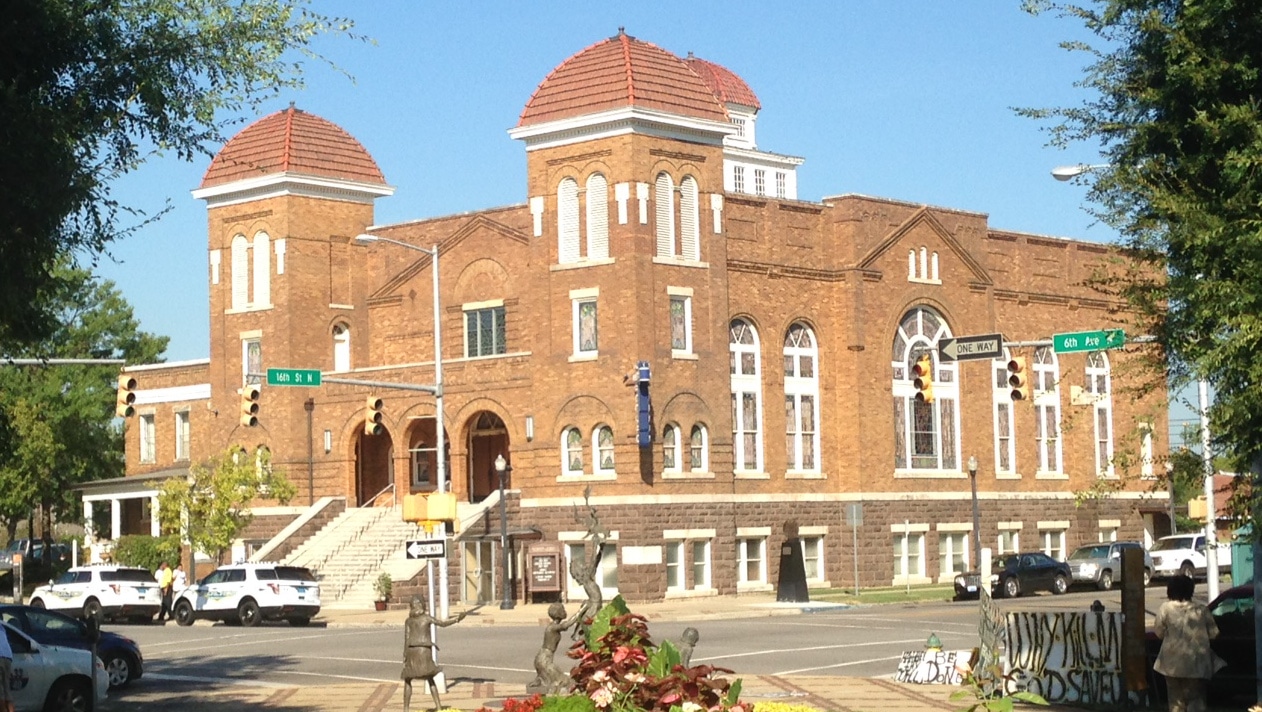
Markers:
<point>1174,525</point>
<point>977,519</point>
<point>506,599</point>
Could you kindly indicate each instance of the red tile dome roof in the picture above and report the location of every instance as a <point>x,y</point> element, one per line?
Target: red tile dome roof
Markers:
<point>727,87</point>
<point>618,72</point>
<point>292,141</point>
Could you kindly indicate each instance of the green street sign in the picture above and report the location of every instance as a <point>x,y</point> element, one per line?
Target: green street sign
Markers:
<point>293,376</point>
<point>1088,341</point>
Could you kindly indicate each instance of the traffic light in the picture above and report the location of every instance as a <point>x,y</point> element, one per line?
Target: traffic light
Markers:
<point>923,371</point>
<point>250,405</point>
<point>1019,378</point>
<point>126,397</point>
<point>373,417</point>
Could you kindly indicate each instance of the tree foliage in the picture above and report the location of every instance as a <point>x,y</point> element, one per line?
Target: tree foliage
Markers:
<point>211,507</point>
<point>57,424</point>
<point>1176,107</point>
<point>91,88</point>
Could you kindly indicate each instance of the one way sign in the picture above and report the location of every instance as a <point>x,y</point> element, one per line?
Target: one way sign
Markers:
<point>968,348</point>
<point>427,549</point>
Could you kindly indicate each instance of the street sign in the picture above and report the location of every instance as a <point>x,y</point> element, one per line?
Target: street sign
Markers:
<point>427,549</point>
<point>293,376</point>
<point>1088,341</point>
<point>969,348</point>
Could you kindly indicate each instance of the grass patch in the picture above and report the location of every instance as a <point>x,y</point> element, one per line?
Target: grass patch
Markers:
<point>886,594</point>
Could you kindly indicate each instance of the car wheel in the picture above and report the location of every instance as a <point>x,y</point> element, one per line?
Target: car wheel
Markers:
<point>184,613</point>
<point>1187,569</point>
<point>1147,576</point>
<point>92,610</point>
<point>1060,584</point>
<point>1106,580</point>
<point>1011,587</point>
<point>69,696</point>
<point>248,613</point>
<point>299,621</point>
<point>118,667</point>
<point>37,603</point>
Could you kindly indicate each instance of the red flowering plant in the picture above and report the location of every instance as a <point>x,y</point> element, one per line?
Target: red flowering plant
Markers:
<point>512,704</point>
<point>620,670</point>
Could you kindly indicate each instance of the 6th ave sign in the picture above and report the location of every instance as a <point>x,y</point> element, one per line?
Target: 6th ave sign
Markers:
<point>969,348</point>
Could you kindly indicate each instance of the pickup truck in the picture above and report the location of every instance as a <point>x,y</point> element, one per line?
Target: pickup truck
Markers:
<point>1185,554</point>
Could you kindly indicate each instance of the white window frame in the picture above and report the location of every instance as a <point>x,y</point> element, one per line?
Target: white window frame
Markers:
<point>606,570</point>
<point>1005,442</point>
<point>919,331</point>
<point>751,552</point>
<point>797,388</point>
<point>1147,455</point>
<point>905,541</point>
<point>680,295</point>
<point>664,217</point>
<point>598,452</point>
<point>760,182</point>
<point>1099,380</point>
<point>738,179</point>
<point>579,298</point>
<point>568,448</point>
<point>240,266</point>
<point>781,184</point>
<point>261,298</point>
<point>183,435</point>
<point>744,384</point>
<point>341,347</point>
<point>953,545</point>
<point>596,198</point>
<point>701,567</point>
<point>1046,375</point>
<point>704,448</point>
<point>813,553</point>
<point>689,220</point>
<point>148,438</point>
<point>1052,541</point>
<point>1013,536</point>
<point>675,566</point>
<point>569,245</point>
<point>671,441</point>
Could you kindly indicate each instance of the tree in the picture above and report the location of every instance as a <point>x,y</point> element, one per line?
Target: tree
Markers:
<point>211,507</point>
<point>89,89</point>
<point>1176,106</point>
<point>57,426</point>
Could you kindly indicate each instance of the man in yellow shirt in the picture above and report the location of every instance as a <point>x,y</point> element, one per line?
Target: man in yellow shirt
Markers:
<point>166,577</point>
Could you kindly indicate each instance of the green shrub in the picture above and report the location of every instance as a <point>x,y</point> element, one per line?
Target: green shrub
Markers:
<point>147,552</point>
<point>568,703</point>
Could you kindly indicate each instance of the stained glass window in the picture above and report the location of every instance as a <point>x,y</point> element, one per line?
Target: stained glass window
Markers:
<point>680,338</point>
<point>484,332</point>
<point>587,341</point>
<point>697,448</point>
<point>670,448</point>
<point>926,434</point>
<point>746,395</point>
<point>604,448</point>
<point>573,451</point>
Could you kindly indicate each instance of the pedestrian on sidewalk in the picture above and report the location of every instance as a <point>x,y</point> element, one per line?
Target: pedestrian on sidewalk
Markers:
<point>1186,660</point>
<point>166,579</point>
<point>179,580</point>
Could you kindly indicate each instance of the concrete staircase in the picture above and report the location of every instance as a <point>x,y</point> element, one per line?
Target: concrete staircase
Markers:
<point>350,552</point>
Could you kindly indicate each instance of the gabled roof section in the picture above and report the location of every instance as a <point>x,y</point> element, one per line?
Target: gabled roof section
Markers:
<point>924,216</point>
<point>478,222</point>
<point>296,142</point>
<point>727,87</point>
<point>620,72</point>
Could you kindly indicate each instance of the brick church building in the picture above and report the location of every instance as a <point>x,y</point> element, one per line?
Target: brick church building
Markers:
<point>779,337</point>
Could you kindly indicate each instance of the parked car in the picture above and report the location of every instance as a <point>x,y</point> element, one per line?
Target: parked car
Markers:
<point>36,552</point>
<point>1101,564</point>
<point>1015,574</point>
<point>102,591</point>
<point>1233,613</point>
<point>119,654</point>
<point>48,677</point>
<point>247,594</point>
<point>1185,554</point>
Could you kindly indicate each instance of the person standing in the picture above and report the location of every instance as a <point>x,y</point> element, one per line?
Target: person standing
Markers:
<point>180,580</point>
<point>1186,660</point>
<point>6,669</point>
<point>166,579</point>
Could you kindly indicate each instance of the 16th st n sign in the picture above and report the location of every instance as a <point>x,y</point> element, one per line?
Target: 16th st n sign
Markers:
<point>969,348</point>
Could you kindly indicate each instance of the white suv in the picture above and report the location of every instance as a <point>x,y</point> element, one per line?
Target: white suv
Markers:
<point>247,594</point>
<point>47,677</point>
<point>102,591</point>
<point>1185,554</point>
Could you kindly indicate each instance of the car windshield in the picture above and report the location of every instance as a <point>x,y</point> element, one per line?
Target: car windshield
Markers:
<point>284,573</point>
<point>1174,542</point>
<point>1090,552</point>
<point>128,575</point>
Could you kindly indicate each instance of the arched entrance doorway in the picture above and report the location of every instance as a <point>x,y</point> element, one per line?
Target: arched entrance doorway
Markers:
<point>423,455</point>
<point>488,437</point>
<point>374,468</point>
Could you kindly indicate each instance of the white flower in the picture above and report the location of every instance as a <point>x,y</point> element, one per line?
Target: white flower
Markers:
<point>691,707</point>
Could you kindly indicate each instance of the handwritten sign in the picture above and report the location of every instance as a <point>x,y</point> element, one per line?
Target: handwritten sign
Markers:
<point>934,667</point>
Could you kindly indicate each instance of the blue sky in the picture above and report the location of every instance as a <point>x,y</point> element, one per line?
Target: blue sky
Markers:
<point>910,100</point>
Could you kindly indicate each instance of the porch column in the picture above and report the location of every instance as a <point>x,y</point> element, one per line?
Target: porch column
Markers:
<point>116,518</point>
<point>88,521</point>
<point>155,528</point>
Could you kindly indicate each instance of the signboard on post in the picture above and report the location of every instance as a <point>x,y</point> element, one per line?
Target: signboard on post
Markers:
<point>426,549</point>
<point>293,377</point>
<point>969,348</point>
<point>1098,340</point>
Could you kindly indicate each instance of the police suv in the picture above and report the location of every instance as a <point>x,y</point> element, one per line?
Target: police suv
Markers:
<point>52,677</point>
<point>102,591</point>
<point>247,594</point>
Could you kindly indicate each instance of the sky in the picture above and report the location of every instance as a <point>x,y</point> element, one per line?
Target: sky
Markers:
<point>911,100</point>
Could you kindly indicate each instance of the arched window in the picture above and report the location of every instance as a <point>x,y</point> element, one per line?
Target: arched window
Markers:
<point>911,265</point>
<point>925,434</point>
<point>1005,426</point>
<point>801,399</point>
<point>572,451</point>
<point>262,296</point>
<point>567,221</point>
<point>746,372</point>
<point>689,220</point>
<point>597,217</point>
<point>341,347</point>
<point>240,272</point>
<point>670,448</point>
<point>664,206</point>
<point>603,441</point>
<point>1100,387</point>
<point>699,449</point>
<point>1047,409</point>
